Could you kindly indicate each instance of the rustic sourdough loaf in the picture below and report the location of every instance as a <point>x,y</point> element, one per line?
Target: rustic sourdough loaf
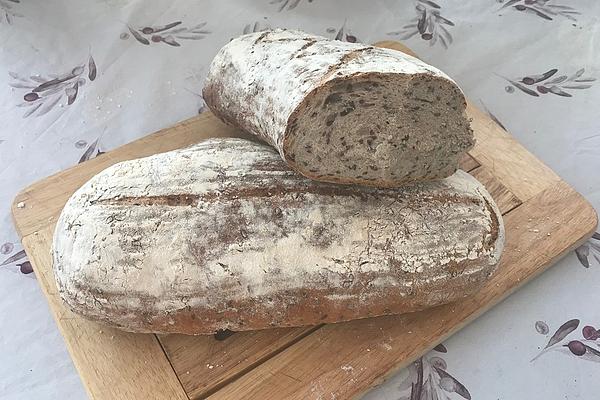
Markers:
<point>223,235</point>
<point>341,112</point>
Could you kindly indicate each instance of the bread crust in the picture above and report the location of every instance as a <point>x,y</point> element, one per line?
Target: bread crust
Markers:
<point>223,235</point>
<point>263,82</point>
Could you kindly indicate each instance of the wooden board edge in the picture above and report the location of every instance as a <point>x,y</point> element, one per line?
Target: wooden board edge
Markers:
<point>522,182</point>
<point>205,394</point>
<point>149,355</point>
<point>15,211</point>
<point>585,235</point>
<point>395,45</point>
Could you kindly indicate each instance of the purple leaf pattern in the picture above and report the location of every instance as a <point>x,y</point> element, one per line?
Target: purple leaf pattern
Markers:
<point>257,26</point>
<point>586,347</point>
<point>541,327</point>
<point>288,4</point>
<point>93,150</point>
<point>551,82</point>
<point>428,23</point>
<point>545,9</point>
<point>342,33</point>
<point>7,11</point>
<point>17,259</point>
<point>170,34</point>
<point>589,248</point>
<point>43,93</point>
<point>428,379</point>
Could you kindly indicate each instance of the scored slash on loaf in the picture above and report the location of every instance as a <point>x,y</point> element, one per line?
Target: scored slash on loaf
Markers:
<point>341,112</point>
<point>223,235</point>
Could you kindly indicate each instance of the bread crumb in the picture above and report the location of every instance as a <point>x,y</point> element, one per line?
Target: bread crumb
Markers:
<point>20,204</point>
<point>100,331</point>
<point>187,372</point>
<point>347,368</point>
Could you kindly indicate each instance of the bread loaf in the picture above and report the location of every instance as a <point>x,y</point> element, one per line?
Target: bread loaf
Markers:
<point>223,235</point>
<point>341,112</point>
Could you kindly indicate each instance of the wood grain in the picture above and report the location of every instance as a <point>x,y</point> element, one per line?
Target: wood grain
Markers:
<point>341,361</point>
<point>224,361</point>
<point>519,170</point>
<point>112,364</point>
<point>468,163</point>
<point>300,363</point>
<point>205,364</point>
<point>503,197</point>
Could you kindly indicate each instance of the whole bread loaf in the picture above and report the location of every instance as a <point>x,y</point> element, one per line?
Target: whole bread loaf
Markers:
<point>341,112</point>
<point>223,235</point>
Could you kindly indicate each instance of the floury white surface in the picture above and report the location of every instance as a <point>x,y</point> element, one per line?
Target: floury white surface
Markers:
<point>341,112</point>
<point>142,88</point>
<point>223,235</point>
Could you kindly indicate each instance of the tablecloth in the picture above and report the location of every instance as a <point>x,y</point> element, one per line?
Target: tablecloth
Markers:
<point>110,71</point>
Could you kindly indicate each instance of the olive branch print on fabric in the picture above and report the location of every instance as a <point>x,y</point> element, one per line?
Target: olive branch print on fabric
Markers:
<point>428,380</point>
<point>548,82</point>
<point>586,347</point>
<point>45,92</point>
<point>343,33</point>
<point>167,34</point>
<point>591,246</point>
<point>290,4</point>
<point>542,8</point>
<point>15,258</point>
<point>429,24</point>
<point>6,11</point>
<point>92,150</point>
<point>257,26</point>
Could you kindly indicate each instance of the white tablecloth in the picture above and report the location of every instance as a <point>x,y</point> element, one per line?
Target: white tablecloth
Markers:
<point>107,81</point>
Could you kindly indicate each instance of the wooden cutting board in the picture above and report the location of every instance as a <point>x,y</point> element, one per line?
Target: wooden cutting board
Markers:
<point>544,219</point>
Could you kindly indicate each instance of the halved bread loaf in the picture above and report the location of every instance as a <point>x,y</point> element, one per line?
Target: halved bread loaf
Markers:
<point>223,235</point>
<point>341,112</point>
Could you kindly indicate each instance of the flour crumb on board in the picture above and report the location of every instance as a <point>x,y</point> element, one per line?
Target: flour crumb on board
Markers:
<point>386,346</point>
<point>210,366</point>
<point>20,204</point>
<point>347,368</point>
